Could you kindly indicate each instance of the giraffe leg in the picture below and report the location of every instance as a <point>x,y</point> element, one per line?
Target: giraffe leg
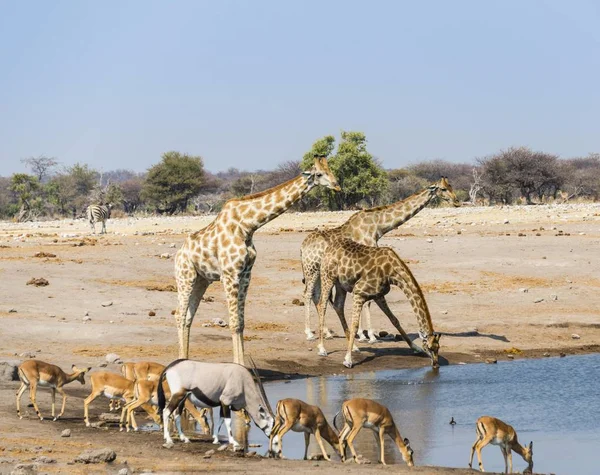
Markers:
<point>233,289</point>
<point>190,289</point>
<point>357,306</point>
<point>327,285</point>
<point>338,305</point>
<point>309,289</point>
<point>382,304</point>
<point>361,333</point>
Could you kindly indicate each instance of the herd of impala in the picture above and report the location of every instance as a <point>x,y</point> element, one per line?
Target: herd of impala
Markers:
<point>198,387</point>
<point>186,384</point>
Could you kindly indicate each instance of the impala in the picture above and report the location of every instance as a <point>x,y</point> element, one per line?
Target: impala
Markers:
<point>493,431</point>
<point>34,373</point>
<point>143,370</point>
<point>114,386</point>
<point>296,415</point>
<point>145,392</point>
<point>359,413</point>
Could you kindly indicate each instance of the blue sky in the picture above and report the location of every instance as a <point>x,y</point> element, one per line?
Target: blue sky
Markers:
<point>250,84</point>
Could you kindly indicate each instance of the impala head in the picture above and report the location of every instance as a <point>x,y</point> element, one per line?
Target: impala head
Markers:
<point>528,456</point>
<point>431,345</point>
<point>80,373</point>
<point>444,191</point>
<point>321,175</point>
<point>407,455</point>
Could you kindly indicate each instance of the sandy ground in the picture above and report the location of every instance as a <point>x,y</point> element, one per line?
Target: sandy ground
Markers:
<point>520,280</point>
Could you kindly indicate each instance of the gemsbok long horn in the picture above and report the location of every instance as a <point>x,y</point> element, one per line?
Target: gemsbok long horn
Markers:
<point>260,386</point>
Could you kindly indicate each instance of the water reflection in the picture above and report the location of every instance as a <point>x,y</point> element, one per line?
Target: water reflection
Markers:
<point>552,401</point>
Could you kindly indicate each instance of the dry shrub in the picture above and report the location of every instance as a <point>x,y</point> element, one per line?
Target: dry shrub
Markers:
<point>44,254</point>
<point>38,282</point>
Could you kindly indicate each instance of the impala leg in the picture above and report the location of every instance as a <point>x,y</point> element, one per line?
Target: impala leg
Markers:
<point>199,416</point>
<point>123,412</point>
<point>32,396</point>
<point>382,445</point>
<point>20,392</point>
<point>482,443</point>
<point>342,441</point>
<point>351,436</point>
<point>86,403</point>
<point>61,391</point>
<point>319,441</point>
<point>509,455</point>
<point>306,444</point>
<point>473,452</point>
<point>274,439</point>
<point>53,392</point>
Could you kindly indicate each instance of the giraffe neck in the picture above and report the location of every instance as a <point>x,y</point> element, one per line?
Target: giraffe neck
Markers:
<point>403,278</point>
<point>267,205</point>
<point>392,216</point>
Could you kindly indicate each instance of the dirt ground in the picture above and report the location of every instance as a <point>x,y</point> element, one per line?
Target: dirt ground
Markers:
<point>522,281</point>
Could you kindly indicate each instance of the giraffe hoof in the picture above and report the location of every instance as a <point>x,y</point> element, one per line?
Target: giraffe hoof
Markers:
<point>329,336</point>
<point>311,337</point>
<point>348,364</point>
<point>322,353</point>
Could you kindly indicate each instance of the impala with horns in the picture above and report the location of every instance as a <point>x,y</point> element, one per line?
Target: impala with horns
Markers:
<point>493,431</point>
<point>298,416</point>
<point>229,386</point>
<point>359,413</point>
<point>114,386</point>
<point>146,393</point>
<point>34,373</point>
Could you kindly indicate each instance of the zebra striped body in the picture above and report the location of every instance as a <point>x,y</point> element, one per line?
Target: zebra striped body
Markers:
<point>97,214</point>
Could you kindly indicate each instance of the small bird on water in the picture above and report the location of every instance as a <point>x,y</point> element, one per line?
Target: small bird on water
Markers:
<point>452,421</point>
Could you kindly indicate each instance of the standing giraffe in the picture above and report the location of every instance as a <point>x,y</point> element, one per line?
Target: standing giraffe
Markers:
<point>369,272</point>
<point>365,227</point>
<point>224,251</point>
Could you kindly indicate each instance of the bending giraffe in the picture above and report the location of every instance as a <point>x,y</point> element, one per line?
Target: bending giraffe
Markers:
<point>365,227</point>
<point>369,272</point>
<point>224,251</point>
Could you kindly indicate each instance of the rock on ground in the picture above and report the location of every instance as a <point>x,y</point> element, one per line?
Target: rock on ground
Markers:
<point>112,358</point>
<point>24,469</point>
<point>96,456</point>
<point>8,370</point>
<point>66,433</point>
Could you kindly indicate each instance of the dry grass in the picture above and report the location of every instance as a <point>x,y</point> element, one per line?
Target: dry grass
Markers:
<point>143,284</point>
<point>267,326</point>
<point>489,281</point>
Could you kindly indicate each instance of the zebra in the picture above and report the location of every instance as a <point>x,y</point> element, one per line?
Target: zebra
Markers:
<point>98,213</point>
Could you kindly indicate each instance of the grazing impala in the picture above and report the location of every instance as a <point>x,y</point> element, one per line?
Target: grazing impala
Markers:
<point>143,370</point>
<point>34,373</point>
<point>493,431</point>
<point>296,415</point>
<point>359,413</point>
<point>112,386</point>
<point>145,392</point>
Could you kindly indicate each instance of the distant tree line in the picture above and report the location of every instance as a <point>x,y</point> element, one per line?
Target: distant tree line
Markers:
<point>179,183</point>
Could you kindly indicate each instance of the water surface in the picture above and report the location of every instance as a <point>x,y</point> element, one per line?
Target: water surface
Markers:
<point>552,401</point>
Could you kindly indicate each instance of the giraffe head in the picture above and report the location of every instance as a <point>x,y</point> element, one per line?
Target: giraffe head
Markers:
<point>443,190</point>
<point>431,345</point>
<point>320,174</point>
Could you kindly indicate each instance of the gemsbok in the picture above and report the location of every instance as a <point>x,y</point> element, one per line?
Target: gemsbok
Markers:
<point>493,431</point>
<point>34,373</point>
<point>229,386</point>
<point>359,413</point>
<point>114,386</point>
<point>298,416</point>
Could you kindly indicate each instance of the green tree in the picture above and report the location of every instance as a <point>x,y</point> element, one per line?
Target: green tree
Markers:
<point>26,189</point>
<point>359,175</point>
<point>171,183</point>
<point>323,148</point>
